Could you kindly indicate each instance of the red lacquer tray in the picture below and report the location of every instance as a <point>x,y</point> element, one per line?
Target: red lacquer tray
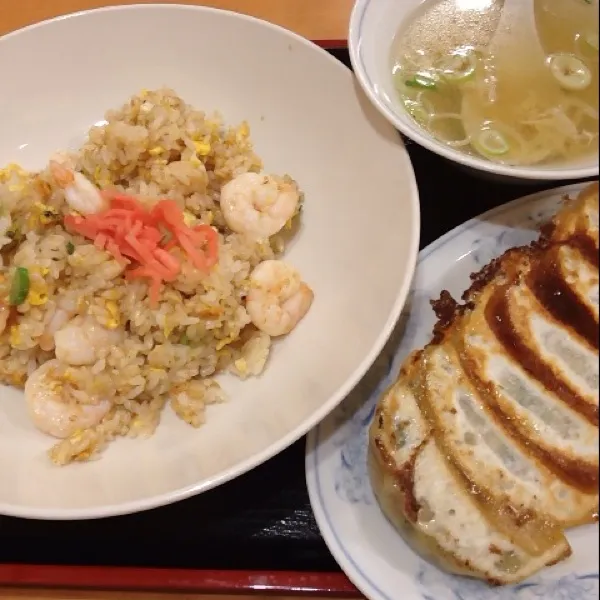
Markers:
<point>177,580</point>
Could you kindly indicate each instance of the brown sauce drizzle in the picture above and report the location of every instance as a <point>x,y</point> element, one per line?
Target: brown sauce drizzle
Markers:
<point>558,298</point>
<point>586,245</point>
<point>497,314</point>
<point>577,473</point>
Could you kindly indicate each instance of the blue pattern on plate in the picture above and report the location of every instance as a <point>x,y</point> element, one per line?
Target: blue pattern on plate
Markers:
<point>440,586</point>
<point>352,485</point>
<point>351,482</point>
<point>352,420</point>
<point>483,251</point>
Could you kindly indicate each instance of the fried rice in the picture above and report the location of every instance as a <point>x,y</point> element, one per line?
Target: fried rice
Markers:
<point>155,146</point>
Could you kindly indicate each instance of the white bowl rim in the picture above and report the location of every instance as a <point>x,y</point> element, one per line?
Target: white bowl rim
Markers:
<point>293,436</point>
<point>354,42</point>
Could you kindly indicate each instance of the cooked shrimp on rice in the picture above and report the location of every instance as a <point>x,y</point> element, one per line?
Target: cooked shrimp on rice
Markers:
<point>136,269</point>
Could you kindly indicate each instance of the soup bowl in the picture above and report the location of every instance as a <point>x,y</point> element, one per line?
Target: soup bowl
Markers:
<point>373,27</point>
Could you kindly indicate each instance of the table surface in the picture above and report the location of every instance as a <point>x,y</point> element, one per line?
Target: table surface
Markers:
<point>317,20</point>
<point>275,523</point>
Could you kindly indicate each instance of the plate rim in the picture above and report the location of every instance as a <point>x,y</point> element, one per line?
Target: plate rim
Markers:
<point>329,534</point>
<point>410,195</point>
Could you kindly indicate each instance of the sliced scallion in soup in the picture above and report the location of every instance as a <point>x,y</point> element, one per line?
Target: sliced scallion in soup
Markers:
<point>481,98</point>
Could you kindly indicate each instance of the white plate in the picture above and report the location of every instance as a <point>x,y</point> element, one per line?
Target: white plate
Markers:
<point>308,118</point>
<point>360,538</point>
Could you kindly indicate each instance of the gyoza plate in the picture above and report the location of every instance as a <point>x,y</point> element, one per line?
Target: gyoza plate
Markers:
<point>364,543</point>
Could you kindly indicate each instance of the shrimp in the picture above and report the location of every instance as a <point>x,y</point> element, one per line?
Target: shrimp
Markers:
<point>83,341</point>
<point>258,205</point>
<point>278,298</point>
<point>80,193</point>
<point>59,318</point>
<point>53,410</point>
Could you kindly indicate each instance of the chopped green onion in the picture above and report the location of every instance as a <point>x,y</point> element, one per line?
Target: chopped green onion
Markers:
<point>184,340</point>
<point>19,288</point>
<point>570,72</point>
<point>70,248</point>
<point>492,143</point>
<point>422,81</point>
<point>459,66</point>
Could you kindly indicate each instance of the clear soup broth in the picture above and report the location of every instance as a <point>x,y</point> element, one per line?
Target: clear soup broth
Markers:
<point>516,91</point>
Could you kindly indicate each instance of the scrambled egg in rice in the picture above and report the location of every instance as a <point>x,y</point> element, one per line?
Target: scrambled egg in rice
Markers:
<point>137,268</point>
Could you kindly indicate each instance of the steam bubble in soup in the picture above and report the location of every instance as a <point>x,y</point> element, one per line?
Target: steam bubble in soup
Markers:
<point>525,101</point>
